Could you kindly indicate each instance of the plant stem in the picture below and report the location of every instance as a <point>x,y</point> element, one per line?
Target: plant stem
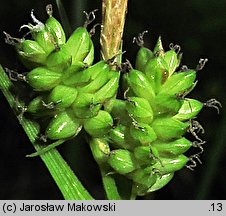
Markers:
<point>109,185</point>
<point>66,180</point>
<point>113,19</point>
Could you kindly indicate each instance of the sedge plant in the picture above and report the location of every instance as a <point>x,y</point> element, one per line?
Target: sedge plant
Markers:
<point>134,117</point>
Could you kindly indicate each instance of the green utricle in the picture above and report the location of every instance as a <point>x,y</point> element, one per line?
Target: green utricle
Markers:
<point>156,70</point>
<point>99,125</point>
<point>172,61</point>
<point>43,79</point>
<point>55,28</point>
<point>59,60</point>
<point>31,54</point>
<point>63,126</point>
<point>143,133</point>
<point>139,109</point>
<point>189,109</point>
<point>100,149</point>
<point>79,44</point>
<point>143,55</point>
<point>45,39</point>
<point>63,96</point>
<point>169,128</point>
<point>179,83</point>
<point>122,161</point>
<point>169,165</point>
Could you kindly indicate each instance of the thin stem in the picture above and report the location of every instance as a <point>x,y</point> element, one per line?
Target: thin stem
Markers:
<point>113,20</point>
<point>100,150</point>
<point>109,185</point>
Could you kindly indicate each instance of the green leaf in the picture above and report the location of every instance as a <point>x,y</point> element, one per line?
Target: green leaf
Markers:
<point>66,180</point>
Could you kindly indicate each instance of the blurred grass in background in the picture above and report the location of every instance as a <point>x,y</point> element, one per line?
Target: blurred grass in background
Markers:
<point>198,26</point>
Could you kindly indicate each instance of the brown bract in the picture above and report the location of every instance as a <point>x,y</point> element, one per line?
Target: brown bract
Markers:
<point>113,16</point>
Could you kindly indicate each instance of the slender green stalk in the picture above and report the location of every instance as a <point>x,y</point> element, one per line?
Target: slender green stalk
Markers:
<point>109,185</point>
<point>66,180</point>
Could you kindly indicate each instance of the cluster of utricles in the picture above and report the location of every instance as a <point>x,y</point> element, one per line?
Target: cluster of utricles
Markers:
<point>153,117</point>
<point>70,92</point>
<point>139,136</point>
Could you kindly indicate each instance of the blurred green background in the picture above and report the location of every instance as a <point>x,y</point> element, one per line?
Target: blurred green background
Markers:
<point>198,26</point>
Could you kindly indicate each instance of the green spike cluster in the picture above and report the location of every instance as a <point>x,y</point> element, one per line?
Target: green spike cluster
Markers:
<point>70,90</point>
<point>148,144</point>
<point>140,136</point>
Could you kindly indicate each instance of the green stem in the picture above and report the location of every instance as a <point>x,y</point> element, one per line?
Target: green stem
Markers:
<point>66,180</point>
<point>100,150</point>
<point>109,185</point>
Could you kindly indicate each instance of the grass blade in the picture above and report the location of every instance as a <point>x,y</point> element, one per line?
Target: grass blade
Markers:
<point>66,180</point>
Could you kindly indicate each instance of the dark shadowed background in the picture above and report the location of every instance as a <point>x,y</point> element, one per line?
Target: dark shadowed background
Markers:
<point>198,26</point>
